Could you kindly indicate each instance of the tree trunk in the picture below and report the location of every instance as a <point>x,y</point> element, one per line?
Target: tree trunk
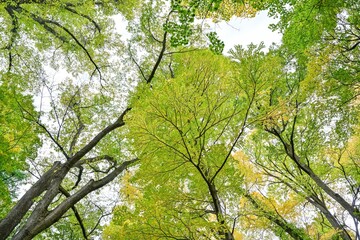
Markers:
<point>290,151</point>
<point>50,182</point>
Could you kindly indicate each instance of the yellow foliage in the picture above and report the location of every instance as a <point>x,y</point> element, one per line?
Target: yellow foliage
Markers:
<point>15,149</point>
<point>113,232</point>
<point>249,218</point>
<point>10,138</point>
<point>243,203</point>
<point>328,235</point>
<point>238,235</point>
<point>316,233</point>
<point>316,67</point>
<point>212,218</point>
<point>246,168</point>
<point>287,208</point>
<point>230,8</point>
<point>128,190</point>
<point>352,149</point>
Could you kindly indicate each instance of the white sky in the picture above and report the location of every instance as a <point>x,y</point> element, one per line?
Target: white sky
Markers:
<point>243,31</point>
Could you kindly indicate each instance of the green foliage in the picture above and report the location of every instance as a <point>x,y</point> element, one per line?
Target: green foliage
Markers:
<point>181,127</point>
<point>229,147</point>
<point>18,141</point>
<point>216,45</point>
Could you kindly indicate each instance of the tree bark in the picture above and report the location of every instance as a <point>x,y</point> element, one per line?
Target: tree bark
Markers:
<point>290,151</point>
<point>14,217</point>
<point>295,233</point>
<point>50,182</point>
<point>48,218</point>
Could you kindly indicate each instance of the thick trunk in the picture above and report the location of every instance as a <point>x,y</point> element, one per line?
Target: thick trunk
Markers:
<point>14,217</point>
<point>48,218</point>
<point>50,182</point>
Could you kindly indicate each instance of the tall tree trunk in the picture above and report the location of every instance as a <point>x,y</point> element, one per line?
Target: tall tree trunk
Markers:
<point>50,183</point>
<point>290,151</point>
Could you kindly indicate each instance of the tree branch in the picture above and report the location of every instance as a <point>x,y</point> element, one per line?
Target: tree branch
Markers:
<point>68,7</point>
<point>161,54</point>
<point>242,129</point>
<point>118,123</point>
<point>14,29</point>
<point>76,212</point>
<point>45,22</point>
<point>55,214</point>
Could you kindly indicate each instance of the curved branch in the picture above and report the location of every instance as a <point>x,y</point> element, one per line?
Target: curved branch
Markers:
<point>81,169</point>
<point>158,61</point>
<point>67,7</point>
<point>15,27</point>
<point>161,54</point>
<point>55,214</point>
<point>45,23</point>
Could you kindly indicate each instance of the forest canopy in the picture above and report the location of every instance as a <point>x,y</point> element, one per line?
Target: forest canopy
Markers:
<point>159,134</point>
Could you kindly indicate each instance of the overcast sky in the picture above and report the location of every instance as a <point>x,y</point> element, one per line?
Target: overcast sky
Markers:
<point>241,31</point>
<point>244,31</point>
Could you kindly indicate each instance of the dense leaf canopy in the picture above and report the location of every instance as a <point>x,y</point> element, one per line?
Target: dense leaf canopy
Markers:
<point>124,120</point>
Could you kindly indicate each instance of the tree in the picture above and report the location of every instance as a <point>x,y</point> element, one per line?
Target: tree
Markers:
<point>188,185</point>
<point>223,147</point>
<point>80,38</point>
<point>173,124</point>
<point>18,141</point>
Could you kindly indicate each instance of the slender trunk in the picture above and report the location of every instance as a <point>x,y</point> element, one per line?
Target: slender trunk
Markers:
<point>315,201</point>
<point>321,206</point>
<point>290,151</point>
<point>294,232</point>
<point>353,211</point>
<point>218,212</point>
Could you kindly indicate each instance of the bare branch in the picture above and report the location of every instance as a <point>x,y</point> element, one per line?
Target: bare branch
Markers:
<point>53,139</point>
<point>99,220</point>
<point>81,169</point>
<point>37,121</point>
<point>161,54</point>
<point>136,63</point>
